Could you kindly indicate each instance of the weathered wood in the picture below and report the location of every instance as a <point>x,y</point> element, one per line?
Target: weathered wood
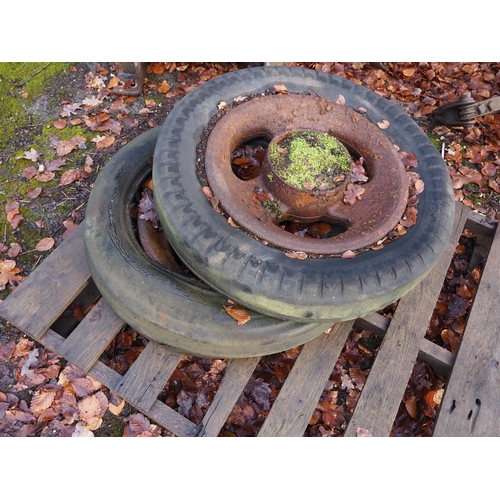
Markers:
<point>238,372</point>
<point>305,383</point>
<point>171,420</point>
<point>374,322</point>
<point>440,360</point>
<point>471,404</point>
<point>148,375</point>
<point>480,224</point>
<point>38,301</point>
<point>379,401</point>
<point>90,338</point>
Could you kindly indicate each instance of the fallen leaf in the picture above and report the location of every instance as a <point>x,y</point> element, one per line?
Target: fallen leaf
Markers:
<point>279,88</point>
<point>296,255</point>
<point>348,254</point>
<point>14,250</point>
<point>8,273</point>
<point>68,177</point>
<point>411,406</point>
<point>14,217</point>
<point>361,432</point>
<point>164,87</point>
<point>29,172</point>
<point>60,123</point>
<point>42,399</point>
<point>353,193</point>
<point>32,155</point>
<point>45,244</point>
<point>238,313</point>
<point>104,141</point>
<point>33,192</point>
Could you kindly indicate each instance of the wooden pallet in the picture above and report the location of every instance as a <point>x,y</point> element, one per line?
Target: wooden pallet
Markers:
<point>470,406</point>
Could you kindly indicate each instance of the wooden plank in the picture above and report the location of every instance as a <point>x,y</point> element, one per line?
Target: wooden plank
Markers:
<point>379,401</point>
<point>305,383</point>
<point>171,420</point>
<point>148,375</point>
<point>440,360</point>
<point>374,322</point>
<point>91,337</point>
<point>471,404</point>
<point>101,372</point>
<point>39,300</point>
<point>238,372</point>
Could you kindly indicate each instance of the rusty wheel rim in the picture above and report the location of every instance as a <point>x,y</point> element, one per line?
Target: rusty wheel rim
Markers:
<point>363,224</point>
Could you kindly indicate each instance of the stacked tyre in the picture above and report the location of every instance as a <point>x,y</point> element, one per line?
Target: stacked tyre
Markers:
<point>290,301</point>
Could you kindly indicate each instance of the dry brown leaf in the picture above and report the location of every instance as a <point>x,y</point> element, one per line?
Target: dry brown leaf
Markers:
<point>296,255</point>
<point>353,193</point>
<point>45,176</point>
<point>65,147</point>
<point>60,123</point>
<point>45,244</point>
<point>32,155</point>
<point>42,400</point>
<point>164,87</point>
<point>14,217</point>
<point>104,142</point>
<point>238,313</point>
<point>361,432</point>
<point>113,82</point>
<point>29,172</point>
<point>348,254</point>
<point>68,177</point>
<point>14,250</point>
<point>89,411</point>
<point>411,406</point>
<point>33,192</point>
<point>116,409</point>
<point>280,88</point>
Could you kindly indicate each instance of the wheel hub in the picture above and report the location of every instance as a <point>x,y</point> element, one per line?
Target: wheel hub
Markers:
<point>261,203</point>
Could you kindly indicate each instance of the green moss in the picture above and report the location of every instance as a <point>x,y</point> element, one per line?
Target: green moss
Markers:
<point>435,139</point>
<point>16,79</point>
<point>307,159</point>
<point>273,206</point>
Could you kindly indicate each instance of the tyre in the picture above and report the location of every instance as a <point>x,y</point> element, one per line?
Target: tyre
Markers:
<point>262,277</point>
<point>171,308</point>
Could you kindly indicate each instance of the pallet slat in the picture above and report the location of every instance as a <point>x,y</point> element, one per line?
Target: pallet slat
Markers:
<point>471,404</point>
<point>238,373</point>
<point>304,385</point>
<point>383,391</point>
<point>148,375</point>
<point>38,301</point>
<point>91,337</point>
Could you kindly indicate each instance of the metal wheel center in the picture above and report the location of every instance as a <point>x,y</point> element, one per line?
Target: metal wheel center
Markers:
<point>261,203</point>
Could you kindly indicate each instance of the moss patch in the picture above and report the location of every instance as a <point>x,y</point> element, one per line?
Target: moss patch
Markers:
<point>20,84</point>
<point>310,160</point>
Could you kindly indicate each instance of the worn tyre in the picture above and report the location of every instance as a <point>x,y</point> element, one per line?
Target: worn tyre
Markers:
<point>165,306</point>
<point>263,278</point>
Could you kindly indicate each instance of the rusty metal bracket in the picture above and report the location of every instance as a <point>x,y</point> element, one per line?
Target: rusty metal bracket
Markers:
<point>131,79</point>
<point>463,112</point>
